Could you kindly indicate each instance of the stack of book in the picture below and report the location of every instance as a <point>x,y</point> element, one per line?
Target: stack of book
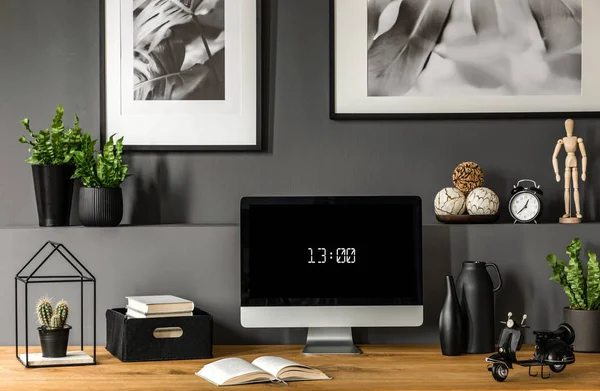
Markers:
<point>158,306</point>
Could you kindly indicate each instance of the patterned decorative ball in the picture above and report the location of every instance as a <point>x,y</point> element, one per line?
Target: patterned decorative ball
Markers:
<point>482,201</point>
<point>449,201</point>
<point>467,176</point>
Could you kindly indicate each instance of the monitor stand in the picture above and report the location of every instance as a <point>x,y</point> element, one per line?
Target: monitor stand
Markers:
<point>330,340</point>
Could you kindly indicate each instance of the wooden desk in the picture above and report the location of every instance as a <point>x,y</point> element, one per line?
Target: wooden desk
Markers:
<point>381,367</point>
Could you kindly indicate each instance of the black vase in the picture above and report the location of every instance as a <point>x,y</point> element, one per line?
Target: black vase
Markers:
<point>53,193</point>
<point>475,291</point>
<point>586,324</point>
<point>54,342</point>
<point>451,329</point>
<point>100,207</point>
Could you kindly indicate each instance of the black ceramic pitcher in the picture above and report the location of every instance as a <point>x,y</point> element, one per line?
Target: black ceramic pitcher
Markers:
<point>475,291</point>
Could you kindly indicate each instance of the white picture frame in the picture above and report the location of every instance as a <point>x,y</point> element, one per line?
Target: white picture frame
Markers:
<point>197,79</point>
<point>351,98</point>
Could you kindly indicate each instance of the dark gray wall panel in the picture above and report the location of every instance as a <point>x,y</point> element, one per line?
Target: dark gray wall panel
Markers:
<point>50,56</point>
<point>202,263</point>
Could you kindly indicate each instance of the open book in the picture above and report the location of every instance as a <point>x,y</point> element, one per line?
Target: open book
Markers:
<point>232,371</point>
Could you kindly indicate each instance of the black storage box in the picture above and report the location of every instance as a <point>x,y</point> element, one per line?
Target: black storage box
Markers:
<point>133,339</point>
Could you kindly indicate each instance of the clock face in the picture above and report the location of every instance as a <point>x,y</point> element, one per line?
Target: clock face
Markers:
<point>525,207</point>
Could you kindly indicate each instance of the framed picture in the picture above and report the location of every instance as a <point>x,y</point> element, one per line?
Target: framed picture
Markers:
<point>464,58</point>
<point>181,75</point>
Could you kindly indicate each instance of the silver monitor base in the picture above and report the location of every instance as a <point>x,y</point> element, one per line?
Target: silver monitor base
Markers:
<point>330,340</point>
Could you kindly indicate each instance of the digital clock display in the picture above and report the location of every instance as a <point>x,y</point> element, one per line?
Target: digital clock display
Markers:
<point>342,255</point>
<point>332,254</point>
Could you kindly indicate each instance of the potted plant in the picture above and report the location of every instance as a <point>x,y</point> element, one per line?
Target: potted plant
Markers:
<point>583,292</point>
<point>53,330</point>
<point>51,155</point>
<point>101,197</point>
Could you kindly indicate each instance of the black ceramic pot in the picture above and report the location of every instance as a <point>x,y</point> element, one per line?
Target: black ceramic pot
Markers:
<point>586,324</point>
<point>100,207</point>
<point>475,291</point>
<point>54,342</point>
<point>53,193</point>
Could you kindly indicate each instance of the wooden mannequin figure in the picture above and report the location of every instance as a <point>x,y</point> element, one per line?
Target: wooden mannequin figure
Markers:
<point>571,144</point>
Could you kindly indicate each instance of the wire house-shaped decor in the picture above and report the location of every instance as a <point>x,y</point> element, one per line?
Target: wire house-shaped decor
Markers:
<point>80,276</point>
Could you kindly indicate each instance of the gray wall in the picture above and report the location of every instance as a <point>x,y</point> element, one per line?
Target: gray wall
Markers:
<point>50,56</point>
<point>202,263</point>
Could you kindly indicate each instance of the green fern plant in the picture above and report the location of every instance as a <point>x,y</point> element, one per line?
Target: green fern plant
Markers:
<point>54,146</point>
<point>583,291</point>
<point>52,318</point>
<point>100,170</point>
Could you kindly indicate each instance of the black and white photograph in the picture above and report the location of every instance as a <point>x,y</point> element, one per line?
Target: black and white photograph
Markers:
<point>464,58</point>
<point>474,47</point>
<point>182,75</point>
<point>179,49</point>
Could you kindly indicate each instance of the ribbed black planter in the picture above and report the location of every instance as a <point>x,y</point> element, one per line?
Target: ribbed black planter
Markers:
<point>100,207</point>
<point>53,193</point>
<point>54,342</point>
<point>587,329</point>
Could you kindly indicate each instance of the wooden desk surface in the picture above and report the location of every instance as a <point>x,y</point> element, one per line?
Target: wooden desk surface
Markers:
<point>381,367</point>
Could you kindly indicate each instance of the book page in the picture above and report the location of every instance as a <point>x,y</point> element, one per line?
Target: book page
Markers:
<point>219,372</point>
<point>277,365</point>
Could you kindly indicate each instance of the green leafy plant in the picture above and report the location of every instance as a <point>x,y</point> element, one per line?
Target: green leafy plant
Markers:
<point>54,146</point>
<point>52,318</point>
<point>582,290</point>
<point>100,170</point>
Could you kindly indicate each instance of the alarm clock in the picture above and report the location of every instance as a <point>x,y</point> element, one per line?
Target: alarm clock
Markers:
<point>525,205</point>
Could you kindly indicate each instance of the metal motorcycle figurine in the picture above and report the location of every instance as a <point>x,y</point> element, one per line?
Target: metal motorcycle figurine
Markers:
<point>553,348</point>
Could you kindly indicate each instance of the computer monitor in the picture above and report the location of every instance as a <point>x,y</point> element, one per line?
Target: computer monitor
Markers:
<point>330,263</point>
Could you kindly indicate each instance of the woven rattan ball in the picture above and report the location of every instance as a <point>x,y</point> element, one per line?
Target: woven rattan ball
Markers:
<point>467,176</point>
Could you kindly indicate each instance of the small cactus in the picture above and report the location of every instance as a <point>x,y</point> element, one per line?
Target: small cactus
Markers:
<point>44,311</point>
<point>62,312</point>
<point>56,322</point>
<point>52,319</point>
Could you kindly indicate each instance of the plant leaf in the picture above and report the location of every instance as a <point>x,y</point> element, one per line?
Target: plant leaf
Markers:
<point>559,22</point>
<point>157,17</point>
<point>158,73</point>
<point>575,274</point>
<point>57,122</point>
<point>397,57</point>
<point>559,274</point>
<point>593,282</point>
<point>195,51</point>
<point>485,17</point>
<point>388,18</point>
<point>53,146</point>
<point>103,170</point>
<point>374,10</point>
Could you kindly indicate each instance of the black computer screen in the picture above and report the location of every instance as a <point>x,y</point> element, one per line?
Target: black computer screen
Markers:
<point>331,251</point>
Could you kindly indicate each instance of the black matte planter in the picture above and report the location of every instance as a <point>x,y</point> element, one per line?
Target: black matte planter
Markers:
<point>100,207</point>
<point>586,324</point>
<point>53,193</point>
<point>54,342</point>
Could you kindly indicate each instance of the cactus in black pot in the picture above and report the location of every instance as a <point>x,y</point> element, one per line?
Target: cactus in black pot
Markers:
<point>53,330</point>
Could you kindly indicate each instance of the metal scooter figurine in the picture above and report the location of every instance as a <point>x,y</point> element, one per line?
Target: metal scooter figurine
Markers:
<point>552,348</point>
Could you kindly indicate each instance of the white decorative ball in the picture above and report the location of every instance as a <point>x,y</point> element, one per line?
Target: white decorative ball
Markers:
<point>482,201</point>
<point>449,201</point>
